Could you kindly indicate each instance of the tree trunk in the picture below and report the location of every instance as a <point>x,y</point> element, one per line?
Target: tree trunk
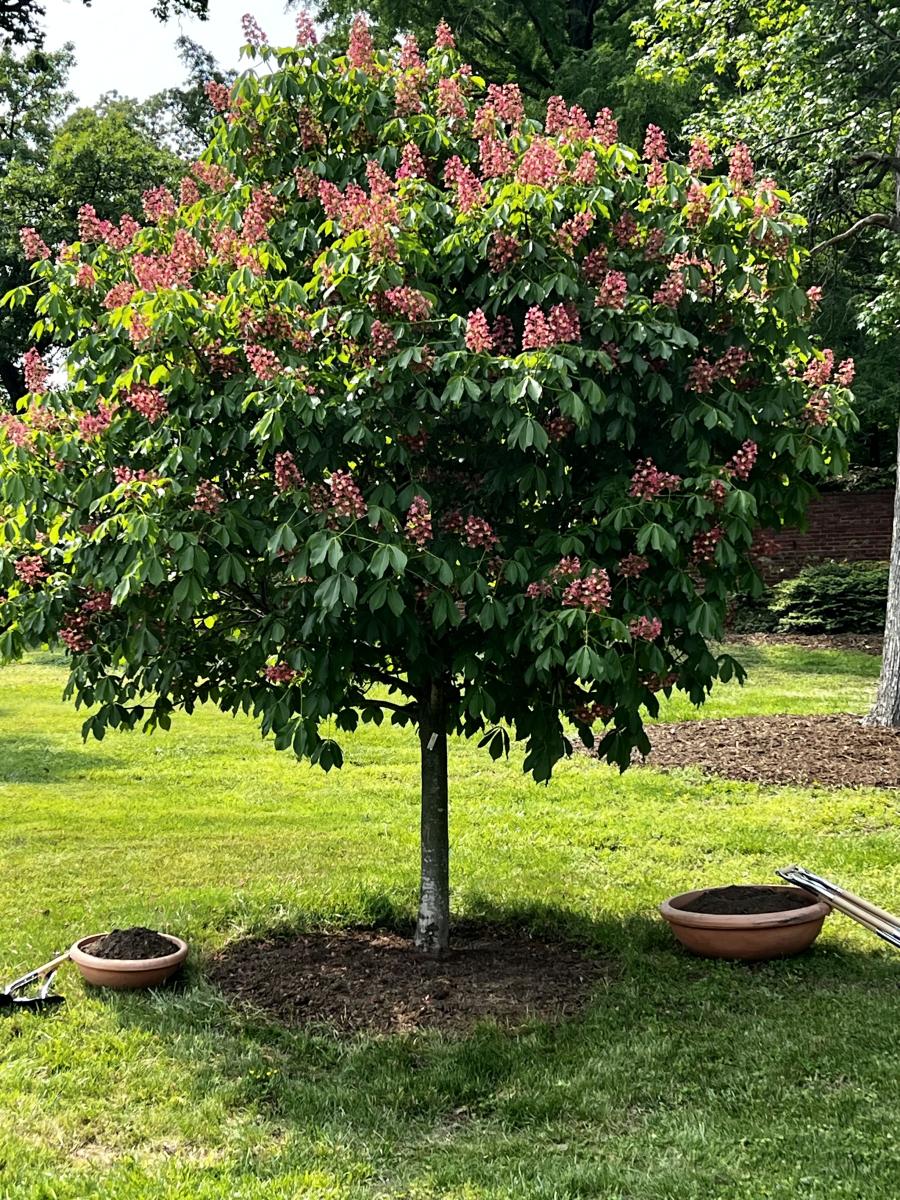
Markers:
<point>13,381</point>
<point>433,924</point>
<point>887,703</point>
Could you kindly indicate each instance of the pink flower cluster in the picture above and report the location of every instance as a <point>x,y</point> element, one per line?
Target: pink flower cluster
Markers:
<point>346,498</point>
<point>383,339</point>
<point>656,152</point>
<point>743,461</point>
<point>478,532</point>
<point>566,568</point>
<point>218,94</point>
<point>648,481</point>
<point>572,123</point>
<point>306,30</point>
<point>538,590</point>
<point>845,373</point>
<point>592,593</point>
<point>671,292</point>
<point>541,332</point>
<point>606,128</point>
<point>253,34</point>
<point>93,424</point>
<point>124,476</point>
<point>699,205</point>
<point>704,545</point>
<point>407,302</point>
<point>506,101</point>
<point>469,192</point>
<point>559,427</point>
<point>504,250</point>
<point>496,158</point>
<point>33,244</point>
<point>504,334</point>
<point>418,522</point>
<point>31,570</point>
<point>280,673</point>
<point>159,203</point>
<point>541,164</point>
<point>208,497</point>
<point>740,168</point>
<point>814,295</point>
<point>443,37</point>
<point>214,176</point>
<point>699,158</point>
<point>85,277</point>
<point>632,566</point>
<point>288,476</point>
<point>646,628</point>
<point>361,48</point>
<point>613,291</point>
<point>478,333</point>
<point>264,363</point>
<point>575,230</point>
<point>75,632</point>
<point>450,100</point>
<point>412,164</point>
<point>16,431</point>
<point>35,371</point>
<point>259,213</point>
<point>702,374</point>
<point>92,229</point>
<point>148,401</point>
<point>817,409</point>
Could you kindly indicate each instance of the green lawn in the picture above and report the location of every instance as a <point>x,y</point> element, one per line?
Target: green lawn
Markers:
<point>685,1080</point>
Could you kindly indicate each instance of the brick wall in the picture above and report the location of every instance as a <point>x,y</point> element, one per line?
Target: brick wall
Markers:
<point>842,525</point>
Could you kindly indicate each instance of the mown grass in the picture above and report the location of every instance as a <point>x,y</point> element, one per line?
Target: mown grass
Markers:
<point>684,1080</point>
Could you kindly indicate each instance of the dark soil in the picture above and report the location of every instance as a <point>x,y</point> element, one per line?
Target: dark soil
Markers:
<point>136,942</point>
<point>832,751</point>
<point>866,643</point>
<point>373,980</point>
<point>746,900</point>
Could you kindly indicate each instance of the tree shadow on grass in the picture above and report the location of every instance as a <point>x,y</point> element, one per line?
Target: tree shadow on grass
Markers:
<point>805,661</point>
<point>28,759</point>
<point>660,1029</point>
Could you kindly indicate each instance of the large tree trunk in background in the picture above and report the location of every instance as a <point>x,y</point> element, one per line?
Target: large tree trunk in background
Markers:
<point>13,382</point>
<point>433,924</point>
<point>887,703</point>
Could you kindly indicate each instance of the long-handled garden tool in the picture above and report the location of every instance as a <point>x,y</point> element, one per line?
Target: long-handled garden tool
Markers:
<point>884,924</point>
<point>11,1002</point>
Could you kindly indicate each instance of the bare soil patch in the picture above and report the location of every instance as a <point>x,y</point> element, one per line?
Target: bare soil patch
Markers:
<point>833,751</point>
<point>373,980</point>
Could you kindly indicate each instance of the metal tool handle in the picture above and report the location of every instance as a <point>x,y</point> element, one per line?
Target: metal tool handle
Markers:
<point>38,973</point>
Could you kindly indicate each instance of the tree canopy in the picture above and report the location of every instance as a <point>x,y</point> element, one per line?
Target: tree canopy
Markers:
<point>412,405</point>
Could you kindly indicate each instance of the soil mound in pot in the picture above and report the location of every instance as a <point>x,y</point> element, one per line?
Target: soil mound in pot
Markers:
<point>374,980</point>
<point>745,901</point>
<point>136,942</point>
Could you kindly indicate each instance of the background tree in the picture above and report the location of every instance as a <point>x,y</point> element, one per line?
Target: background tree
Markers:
<point>815,89</point>
<point>414,407</point>
<point>48,165</point>
<point>581,49</point>
<point>22,21</point>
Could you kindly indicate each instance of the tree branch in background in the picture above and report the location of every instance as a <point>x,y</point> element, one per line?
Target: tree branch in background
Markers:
<point>882,220</point>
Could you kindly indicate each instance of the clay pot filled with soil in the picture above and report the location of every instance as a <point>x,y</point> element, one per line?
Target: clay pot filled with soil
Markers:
<point>746,922</point>
<point>128,958</point>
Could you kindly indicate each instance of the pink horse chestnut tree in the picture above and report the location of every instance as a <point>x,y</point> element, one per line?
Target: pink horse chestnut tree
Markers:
<point>412,405</point>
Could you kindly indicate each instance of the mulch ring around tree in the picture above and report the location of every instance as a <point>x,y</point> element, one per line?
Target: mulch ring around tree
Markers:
<point>372,980</point>
<point>833,751</point>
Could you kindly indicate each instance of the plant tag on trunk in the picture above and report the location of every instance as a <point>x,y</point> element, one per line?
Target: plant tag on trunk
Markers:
<point>432,741</point>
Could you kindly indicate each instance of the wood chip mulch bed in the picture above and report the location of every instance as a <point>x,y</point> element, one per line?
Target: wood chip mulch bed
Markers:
<point>372,980</point>
<point>833,751</point>
<point>866,643</point>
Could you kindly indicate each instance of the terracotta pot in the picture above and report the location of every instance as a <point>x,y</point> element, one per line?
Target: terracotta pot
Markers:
<point>126,972</point>
<point>762,935</point>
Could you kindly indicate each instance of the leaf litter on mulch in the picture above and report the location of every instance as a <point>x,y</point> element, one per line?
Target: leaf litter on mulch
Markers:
<point>373,980</point>
<point>832,751</point>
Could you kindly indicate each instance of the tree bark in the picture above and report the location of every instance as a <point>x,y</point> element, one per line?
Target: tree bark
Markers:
<point>433,923</point>
<point>886,710</point>
<point>12,380</point>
